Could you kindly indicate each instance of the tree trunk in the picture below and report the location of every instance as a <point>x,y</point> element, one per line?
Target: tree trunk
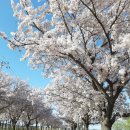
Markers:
<point>86,121</point>
<point>27,126</point>
<point>74,126</point>
<point>6,125</point>
<point>36,124</point>
<point>106,115</point>
<point>105,124</point>
<point>41,128</point>
<point>14,123</point>
<point>86,126</point>
<point>14,126</point>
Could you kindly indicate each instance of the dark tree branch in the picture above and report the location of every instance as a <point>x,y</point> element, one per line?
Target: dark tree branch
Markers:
<point>101,24</point>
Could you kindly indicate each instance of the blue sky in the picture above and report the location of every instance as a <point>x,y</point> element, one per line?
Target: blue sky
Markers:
<point>18,68</point>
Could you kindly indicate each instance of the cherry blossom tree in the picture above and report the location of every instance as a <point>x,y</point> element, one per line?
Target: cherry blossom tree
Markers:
<point>5,86</point>
<point>35,110</point>
<point>18,100</point>
<point>52,121</point>
<point>78,97</point>
<point>81,101</point>
<point>87,38</point>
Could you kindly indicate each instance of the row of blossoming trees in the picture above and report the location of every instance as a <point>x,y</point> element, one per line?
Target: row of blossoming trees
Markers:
<point>84,46</point>
<point>21,105</point>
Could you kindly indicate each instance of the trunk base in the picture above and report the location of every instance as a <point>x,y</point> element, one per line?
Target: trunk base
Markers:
<point>106,125</point>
